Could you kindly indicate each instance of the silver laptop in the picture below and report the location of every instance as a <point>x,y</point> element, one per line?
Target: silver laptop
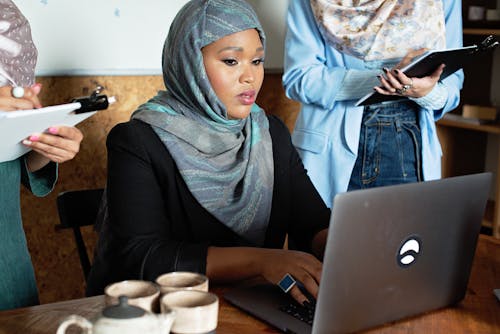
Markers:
<point>391,252</point>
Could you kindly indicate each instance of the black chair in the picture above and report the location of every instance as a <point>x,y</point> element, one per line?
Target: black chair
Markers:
<point>79,208</point>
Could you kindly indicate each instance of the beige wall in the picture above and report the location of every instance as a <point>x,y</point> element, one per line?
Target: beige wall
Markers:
<point>53,252</point>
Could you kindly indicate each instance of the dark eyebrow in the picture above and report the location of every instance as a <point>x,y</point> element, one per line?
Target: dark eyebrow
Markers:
<point>233,48</point>
<point>238,49</point>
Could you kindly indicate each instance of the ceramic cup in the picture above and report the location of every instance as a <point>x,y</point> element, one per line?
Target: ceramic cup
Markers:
<point>143,294</point>
<point>196,312</point>
<point>182,280</point>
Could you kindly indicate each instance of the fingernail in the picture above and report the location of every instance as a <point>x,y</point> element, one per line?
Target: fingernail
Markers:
<point>34,138</point>
<point>397,71</point>
<point>36,88</point>
<point>385,70</point>
<point>26,142</point>
<point>53,130</point>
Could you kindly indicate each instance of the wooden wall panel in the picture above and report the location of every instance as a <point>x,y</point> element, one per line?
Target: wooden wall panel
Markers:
<point>53,251</point>
<point>273,100</point>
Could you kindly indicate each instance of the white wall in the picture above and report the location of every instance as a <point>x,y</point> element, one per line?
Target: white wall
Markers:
<point>96,37</point>
<point>120,37</point>
<point>272,15</point>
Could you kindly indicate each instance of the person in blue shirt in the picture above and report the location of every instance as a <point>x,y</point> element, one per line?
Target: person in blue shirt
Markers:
<point>37,169</point>
<point>337,53</point>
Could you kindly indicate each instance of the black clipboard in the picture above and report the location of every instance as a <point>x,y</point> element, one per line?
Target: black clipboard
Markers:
<point>424,65</point>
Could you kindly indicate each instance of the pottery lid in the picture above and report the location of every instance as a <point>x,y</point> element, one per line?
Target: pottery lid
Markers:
<point>123,310</point>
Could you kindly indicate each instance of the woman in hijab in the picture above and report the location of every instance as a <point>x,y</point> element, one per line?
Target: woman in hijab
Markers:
<point>200,179</point>
<point>37,170</point>
<point>337,51</point>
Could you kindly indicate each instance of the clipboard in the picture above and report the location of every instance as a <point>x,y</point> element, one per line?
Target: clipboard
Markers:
<point>424,65</point>
<point>15,126</point>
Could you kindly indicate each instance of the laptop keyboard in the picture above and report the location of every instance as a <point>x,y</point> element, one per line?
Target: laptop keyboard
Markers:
<point>304,312</point>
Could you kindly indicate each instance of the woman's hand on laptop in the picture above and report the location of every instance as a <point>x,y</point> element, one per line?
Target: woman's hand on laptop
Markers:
<point>231,264</point>
<point>303,267</point>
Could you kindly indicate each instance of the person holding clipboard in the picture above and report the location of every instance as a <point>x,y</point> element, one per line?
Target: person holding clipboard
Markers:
<point>37,170</point>
<point>337,53</point>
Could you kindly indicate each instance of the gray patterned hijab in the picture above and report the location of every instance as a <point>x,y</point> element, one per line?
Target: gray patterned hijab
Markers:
<point>227,164</point>
<point>18,54</point>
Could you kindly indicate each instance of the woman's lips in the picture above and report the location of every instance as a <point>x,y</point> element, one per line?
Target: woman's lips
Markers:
<point>247,97</point>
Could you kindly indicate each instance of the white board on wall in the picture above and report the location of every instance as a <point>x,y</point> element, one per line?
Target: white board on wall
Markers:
<point>120,37</point>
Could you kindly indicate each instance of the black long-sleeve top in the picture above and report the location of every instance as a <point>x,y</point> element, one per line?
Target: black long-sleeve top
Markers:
<point>155,225</point>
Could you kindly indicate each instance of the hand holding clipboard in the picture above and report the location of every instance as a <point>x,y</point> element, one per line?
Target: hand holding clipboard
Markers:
<point>426,64</point>
<point>16,126</point>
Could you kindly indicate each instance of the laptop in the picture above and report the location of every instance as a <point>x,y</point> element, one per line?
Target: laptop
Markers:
<point>392,252</point>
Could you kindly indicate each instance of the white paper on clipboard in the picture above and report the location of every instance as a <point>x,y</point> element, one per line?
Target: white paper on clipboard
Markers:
<point>15,126</point>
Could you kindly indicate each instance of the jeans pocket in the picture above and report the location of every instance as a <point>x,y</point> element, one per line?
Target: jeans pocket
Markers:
<point>371,155</point>
<point>391,153</point>
<point>412,147</point>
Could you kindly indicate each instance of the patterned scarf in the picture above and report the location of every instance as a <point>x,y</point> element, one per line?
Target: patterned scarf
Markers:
<point>227,164</point>
<point>18,54</point>
<point>381,29</point>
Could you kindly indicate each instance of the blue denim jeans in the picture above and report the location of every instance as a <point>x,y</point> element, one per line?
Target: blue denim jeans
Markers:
<point>389,146</point>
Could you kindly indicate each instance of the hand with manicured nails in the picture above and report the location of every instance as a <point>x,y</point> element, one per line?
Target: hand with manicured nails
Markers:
<point>58,143</point>
<point>395,81</point>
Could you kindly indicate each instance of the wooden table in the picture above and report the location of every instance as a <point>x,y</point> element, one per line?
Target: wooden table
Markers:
<point>479,312</point>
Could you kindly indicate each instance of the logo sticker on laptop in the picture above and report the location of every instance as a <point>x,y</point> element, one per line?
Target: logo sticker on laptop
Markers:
<point>409,251</point>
